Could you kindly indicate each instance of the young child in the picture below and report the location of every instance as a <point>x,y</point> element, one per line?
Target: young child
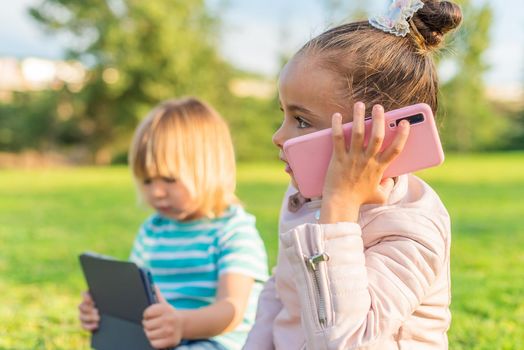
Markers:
<point>205,254</point>
<point>367,265</point>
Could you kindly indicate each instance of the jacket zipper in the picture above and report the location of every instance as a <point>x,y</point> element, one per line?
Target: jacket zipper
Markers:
<point>312,263</point>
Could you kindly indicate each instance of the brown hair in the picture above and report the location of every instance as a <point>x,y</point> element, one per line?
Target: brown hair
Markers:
<point>381,68</point>
<point>188,140</point>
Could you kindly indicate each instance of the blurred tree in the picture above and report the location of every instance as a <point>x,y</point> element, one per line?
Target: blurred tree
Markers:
<point>138,53</point>
<point>42,121</point>
<point>515,140</point>
<point>29,121</point>
<point>470,122</point>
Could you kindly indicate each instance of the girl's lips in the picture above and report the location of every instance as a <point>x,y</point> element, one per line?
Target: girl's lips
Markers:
<point>288,168</point>
<point>163,209</point>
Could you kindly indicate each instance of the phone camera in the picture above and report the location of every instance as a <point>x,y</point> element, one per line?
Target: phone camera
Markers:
<point>414,119</point>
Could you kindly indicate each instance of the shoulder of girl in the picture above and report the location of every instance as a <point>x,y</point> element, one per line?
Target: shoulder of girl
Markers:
<point>236,218</point>
<point>241,214</point>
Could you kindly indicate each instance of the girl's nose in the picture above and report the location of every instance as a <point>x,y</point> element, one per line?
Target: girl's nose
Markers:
<point>158,189</point>
<point>279,137</point>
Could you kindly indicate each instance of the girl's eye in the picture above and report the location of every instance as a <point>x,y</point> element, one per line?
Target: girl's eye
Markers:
<point>147,181</point>
<point>169,180</point>
<point>302,124</point>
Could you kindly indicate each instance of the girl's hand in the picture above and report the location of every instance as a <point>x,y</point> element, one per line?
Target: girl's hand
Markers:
<point>354,176</point>
<point>88,313</point>
<point>163,324</point>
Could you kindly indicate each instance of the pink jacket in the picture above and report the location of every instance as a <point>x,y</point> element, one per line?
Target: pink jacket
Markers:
<point>383,283</point>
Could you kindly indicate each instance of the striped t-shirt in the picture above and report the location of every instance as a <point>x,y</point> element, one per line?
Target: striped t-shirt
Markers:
<point>186,260</point>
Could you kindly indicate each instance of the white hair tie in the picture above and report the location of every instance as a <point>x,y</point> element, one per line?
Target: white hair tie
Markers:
<point>395,21</point>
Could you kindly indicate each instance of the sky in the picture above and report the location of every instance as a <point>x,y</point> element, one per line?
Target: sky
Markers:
<point>256,32</point>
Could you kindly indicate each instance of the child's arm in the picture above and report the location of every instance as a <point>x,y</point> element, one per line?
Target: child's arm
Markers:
<point>165,326</point>
<point>225,314</point>
<point>261,335</point>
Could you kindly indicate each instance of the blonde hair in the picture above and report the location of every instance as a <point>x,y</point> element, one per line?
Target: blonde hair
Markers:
<point>188,140</point>
<point>380,68</point>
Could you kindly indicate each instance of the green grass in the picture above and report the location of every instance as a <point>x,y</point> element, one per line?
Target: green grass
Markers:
<point>47,217</point>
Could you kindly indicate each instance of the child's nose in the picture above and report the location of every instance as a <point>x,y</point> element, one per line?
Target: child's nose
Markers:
<point>158,189</point>
<point>279,137</point>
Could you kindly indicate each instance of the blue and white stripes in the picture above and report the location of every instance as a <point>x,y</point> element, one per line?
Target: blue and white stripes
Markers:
<point>187,259</point>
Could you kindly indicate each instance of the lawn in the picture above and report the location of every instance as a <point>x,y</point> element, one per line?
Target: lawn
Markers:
<point>47,217</point>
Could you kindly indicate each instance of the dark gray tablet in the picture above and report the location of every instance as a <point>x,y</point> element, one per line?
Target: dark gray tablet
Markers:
<point>121,291</point>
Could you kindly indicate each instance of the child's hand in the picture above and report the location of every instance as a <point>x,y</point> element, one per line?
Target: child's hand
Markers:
<point>88,313</point>
<point>163,324</point>
<point>354,175</point>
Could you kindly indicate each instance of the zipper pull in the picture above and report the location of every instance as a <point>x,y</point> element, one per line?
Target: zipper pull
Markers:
<point>314,260</point>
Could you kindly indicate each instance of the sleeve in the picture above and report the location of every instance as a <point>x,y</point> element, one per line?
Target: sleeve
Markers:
<point>137,254</point>
<point>241,250</point>
<point>261,335</point>
<point>362,296</point>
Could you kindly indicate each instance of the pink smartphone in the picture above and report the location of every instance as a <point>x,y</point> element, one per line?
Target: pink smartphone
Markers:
<point>309,155</point>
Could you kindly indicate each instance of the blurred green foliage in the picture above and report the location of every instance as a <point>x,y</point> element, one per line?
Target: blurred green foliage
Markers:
<point>470,120</point>
<point>139,53</point>
<point>515,139</point>
<point>28,121</point>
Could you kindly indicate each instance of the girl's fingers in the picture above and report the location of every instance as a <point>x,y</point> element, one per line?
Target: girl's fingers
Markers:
<point>155,334</point>
<point>86,308</point>
<point>87,298</point>
<point>377,131</point>
<point>90,326</point>
<point>160,298</point>
<point>160,343</point>
<point>89,314</point>
<point>89,317</point>
<point>339,143</point>
<point>148,325</point>
<point>152,324</point>
<point>398,143</point>
<point>357,134</point>
<point>153,311</point>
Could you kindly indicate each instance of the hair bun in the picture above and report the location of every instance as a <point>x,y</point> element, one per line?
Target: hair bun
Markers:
<point>435,19</point>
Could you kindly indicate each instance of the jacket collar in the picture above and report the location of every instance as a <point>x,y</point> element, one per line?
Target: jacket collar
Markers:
<point>296,201</point>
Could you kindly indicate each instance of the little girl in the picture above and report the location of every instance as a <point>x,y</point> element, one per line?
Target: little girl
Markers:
<point>367,265</point>
<point>205,254</point>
